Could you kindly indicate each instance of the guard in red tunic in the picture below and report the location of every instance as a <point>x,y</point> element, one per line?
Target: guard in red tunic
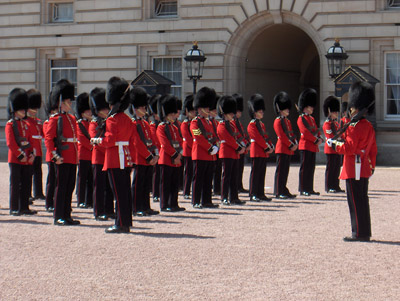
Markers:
<point>36,129</point>
<point>170,154</point>
<point>51,166</point>
<point>260,149</point>
<point>204,149</point>
<point>333,159</point>
<point>190,113</point>
<point>62,142</point>
<point>178,123</point>
<point>146,154</point>
<point>20,153</point>
<point>103,199</point>
<point>285,146</point>
<point>309,141</point>
<point>217,174</point>
<point>229,151</point>
<point>242,137</point>
<point>155,121</point>
<point>118,140</point>
<point>359,150</point>
<point>84,189</point>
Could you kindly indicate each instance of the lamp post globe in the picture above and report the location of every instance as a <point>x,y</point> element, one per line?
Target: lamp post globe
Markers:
<point>336,57</point>
<point>194,59</point>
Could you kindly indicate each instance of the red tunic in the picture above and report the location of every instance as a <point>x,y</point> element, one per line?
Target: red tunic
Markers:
<point>307,139</point>
<point>187,138</point>
<point>84,145</point>
<point>14,151</point>
<point>284,143</point>
<point>153,128</point>
<point>36,129</point>
<point>229,147</point>
<point>239,126</point>
<point>201,144</point>
<point>70,155</point>
<point>259,146</point>
<point>98,151</point>
<point>360,137</point>
<point>118,141</point>
<point>143,148</point>
<point>168,152</point>
<point>329,133</point>
<point>45,127</point>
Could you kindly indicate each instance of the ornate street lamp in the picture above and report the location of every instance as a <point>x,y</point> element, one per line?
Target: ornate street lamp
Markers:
<point>195,64</point>
<point>336,57</point>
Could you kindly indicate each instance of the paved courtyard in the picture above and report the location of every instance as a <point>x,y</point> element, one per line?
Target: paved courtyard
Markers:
<point>282,250</point>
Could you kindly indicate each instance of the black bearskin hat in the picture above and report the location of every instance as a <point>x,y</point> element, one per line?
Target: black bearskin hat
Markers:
<point>226,104</point>
<point>239,101</point>
<point>118,92</point>
<point>153,104</point>
<point>362,96</point>
<point>282,102</point>
<point>188,104</point>
<point>345,106</point>
<point>17,100</point>
<point>82,104</point>
<point>331,104</point>
<point>63,89</point>
<point>97,100</point>
<point>205,98</point>
<point>255,103</point>
<point>138,97</point>
<point>179,104</point>
<point>307,98</point>
<point>34,99</point>
<point>167,104</point>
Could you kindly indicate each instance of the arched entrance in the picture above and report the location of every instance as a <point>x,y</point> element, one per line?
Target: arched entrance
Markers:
<point>281,58</point>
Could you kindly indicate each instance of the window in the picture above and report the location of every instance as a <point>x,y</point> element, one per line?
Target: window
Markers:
<point>165,8</point>
<point>392,84</point>
<point>61,12</point>
<point>171,68</point>
<point>393,3</point>
<point>63,69</point>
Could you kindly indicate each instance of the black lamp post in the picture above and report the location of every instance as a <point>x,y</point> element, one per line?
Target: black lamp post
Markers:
<point>336,57</point>
<point>195,64</point>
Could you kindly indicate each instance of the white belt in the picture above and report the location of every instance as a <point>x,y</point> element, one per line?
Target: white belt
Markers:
<point>252,140</point>
<point>121,145</point>
<point>72,140</point>
<point>37,137</point>
<point>223,141</point>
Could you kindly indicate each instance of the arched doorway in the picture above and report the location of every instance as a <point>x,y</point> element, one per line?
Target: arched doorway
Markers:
<point>282,57</point>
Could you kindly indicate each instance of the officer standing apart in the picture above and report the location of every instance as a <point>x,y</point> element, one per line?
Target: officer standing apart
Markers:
<point>359,150</point>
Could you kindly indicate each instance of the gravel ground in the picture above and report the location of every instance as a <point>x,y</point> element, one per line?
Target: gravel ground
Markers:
<point>282,250</point>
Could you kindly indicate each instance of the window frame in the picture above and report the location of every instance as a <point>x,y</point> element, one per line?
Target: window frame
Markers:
<point>48,13</point>
<point>51,68</point>
<point>387,116</point>
<point>388,6</point>
<point>162,72</point>
<point>166,16</point>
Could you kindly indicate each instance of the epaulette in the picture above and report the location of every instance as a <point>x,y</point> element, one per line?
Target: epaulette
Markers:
<point>94,119</point>
<point>354,123</point>
<point>186,120</point>
<point>112,116</point>
<point>54,115</point>
<point>196,118</point>
<point>253,120</point>
<point>162,123</point>
<point>10,121</point>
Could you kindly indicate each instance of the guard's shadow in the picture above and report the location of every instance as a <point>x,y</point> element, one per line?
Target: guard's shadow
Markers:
<point>23,221</point>
<point>171,235</point>
<point>385,242</point>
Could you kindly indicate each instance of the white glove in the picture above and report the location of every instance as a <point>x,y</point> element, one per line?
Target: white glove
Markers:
<point>96,140</point>
<point>329,142</point>
<point>214,150</point>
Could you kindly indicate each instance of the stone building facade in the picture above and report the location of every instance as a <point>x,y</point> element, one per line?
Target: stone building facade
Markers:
<point>252,46</point>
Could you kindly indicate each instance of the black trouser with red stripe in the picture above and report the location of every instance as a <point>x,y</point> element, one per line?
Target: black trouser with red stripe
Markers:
<point>50,184</point>
<point>120,181</point>
<point>65,184</point>
<point>20,186</point>
<point>257,176</point>
<point>229,182</point>
<point>187,180</point>
<point>281,174</point>
<point>240,172</point>
<point>357,199</point>
<point>156,181</point>
<point>84,189</point>
<point>141,187</point>
<point>169,186</point>
<point>37,177</point>
<point>307,169</point>
<point>102,194</point>
<point>217,176</point>
<point>202,182</point>
<point>332,171</point>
